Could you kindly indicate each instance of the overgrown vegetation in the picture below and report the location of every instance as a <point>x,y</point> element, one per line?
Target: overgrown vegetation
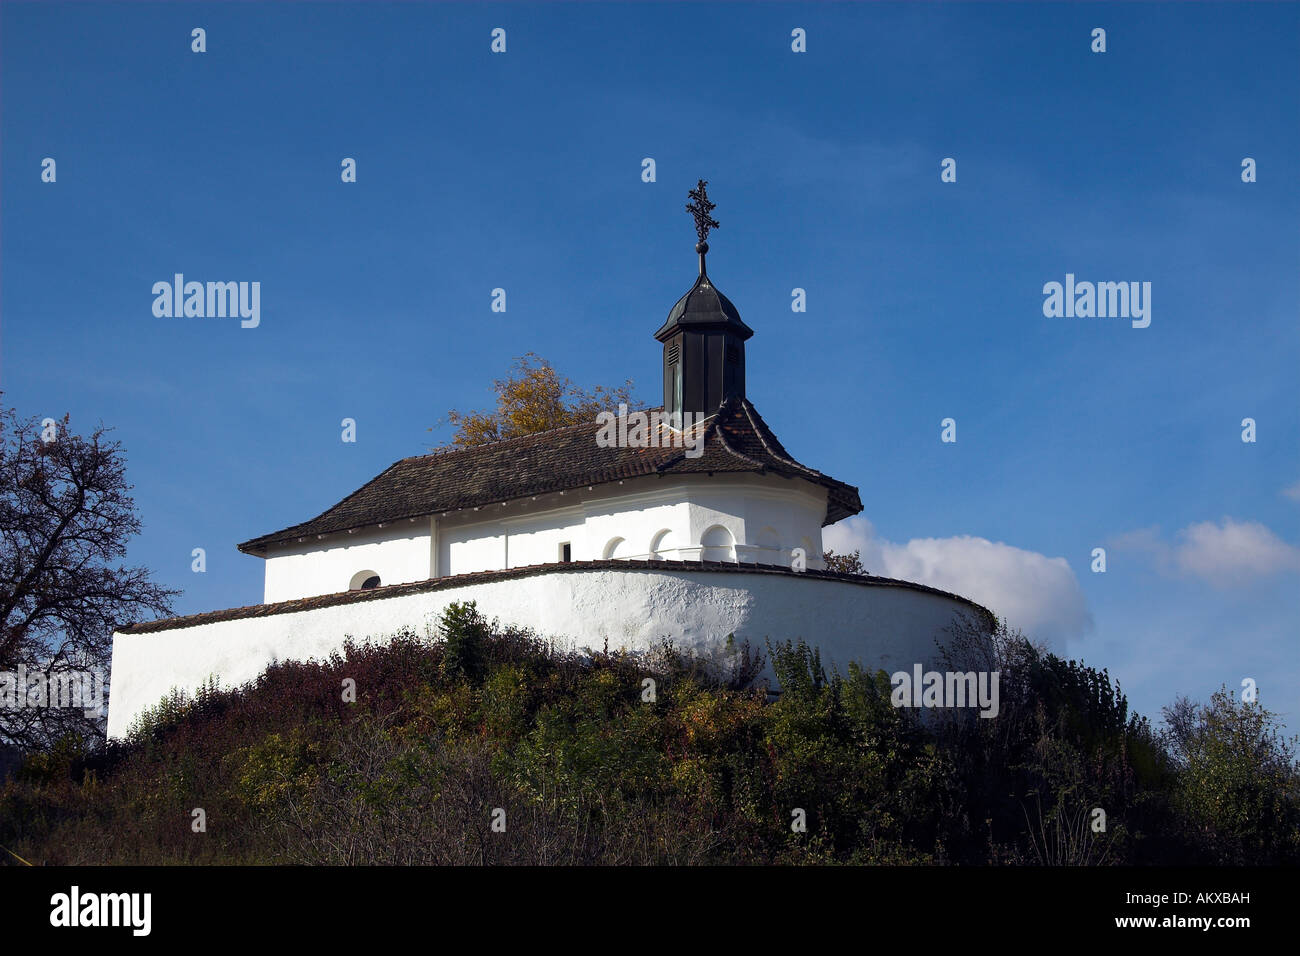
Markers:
<point>583,761</point>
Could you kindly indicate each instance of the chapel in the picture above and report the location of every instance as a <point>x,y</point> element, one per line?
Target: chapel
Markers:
<point>728,492</point>
<point>705,532</point>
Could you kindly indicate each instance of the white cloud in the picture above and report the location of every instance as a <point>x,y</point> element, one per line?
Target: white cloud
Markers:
<point>1233,550</point>
<point>1224,554</point>
<point>1292,491</point>
<point>1035,593</point>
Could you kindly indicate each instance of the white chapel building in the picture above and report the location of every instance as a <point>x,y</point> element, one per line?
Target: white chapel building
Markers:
<point>694,533</point>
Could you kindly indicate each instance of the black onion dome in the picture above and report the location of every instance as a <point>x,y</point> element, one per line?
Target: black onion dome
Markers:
<point>704,306</point>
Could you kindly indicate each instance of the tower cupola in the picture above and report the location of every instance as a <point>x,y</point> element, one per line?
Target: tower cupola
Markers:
<point>703,337</point>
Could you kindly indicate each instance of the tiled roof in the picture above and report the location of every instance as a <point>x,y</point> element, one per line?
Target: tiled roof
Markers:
<point>736,440</point>
<point>477,577</point>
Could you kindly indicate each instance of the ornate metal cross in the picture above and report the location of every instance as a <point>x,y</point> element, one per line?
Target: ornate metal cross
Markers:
<point>700,209</point>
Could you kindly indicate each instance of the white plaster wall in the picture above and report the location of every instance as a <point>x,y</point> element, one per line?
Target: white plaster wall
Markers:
<point>877,625</point>
<point>759,514</point>
<point>398,553</point>
<point>518,534</point>
<point>482,548</point>
<point>538,541</point>
<point>636,519</point>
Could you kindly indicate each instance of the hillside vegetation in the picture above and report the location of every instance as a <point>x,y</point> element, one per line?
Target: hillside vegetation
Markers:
<point>486,746</point>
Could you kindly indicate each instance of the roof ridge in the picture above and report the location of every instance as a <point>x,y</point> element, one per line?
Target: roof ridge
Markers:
<point>731,400</point>
<point>761,430</point>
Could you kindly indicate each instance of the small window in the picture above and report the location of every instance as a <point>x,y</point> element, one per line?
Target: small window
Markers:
<point>566,551</point>
<point>364,581</point>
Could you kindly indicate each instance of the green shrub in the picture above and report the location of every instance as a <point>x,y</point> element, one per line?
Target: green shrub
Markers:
<point>445,736</point>
<point>465,632</point>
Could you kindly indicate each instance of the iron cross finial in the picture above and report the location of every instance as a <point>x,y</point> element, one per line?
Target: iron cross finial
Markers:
<point>700,209</point>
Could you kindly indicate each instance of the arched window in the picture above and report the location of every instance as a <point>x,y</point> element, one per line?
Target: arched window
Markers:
<point>663,546</point>
<point>364,581</point>
<point>613,547</point>
<point>717,544</point>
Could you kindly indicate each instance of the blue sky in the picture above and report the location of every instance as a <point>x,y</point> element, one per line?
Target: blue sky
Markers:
<point>523,171</point>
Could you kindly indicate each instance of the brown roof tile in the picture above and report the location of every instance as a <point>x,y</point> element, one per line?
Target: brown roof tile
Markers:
<point>736,440</point>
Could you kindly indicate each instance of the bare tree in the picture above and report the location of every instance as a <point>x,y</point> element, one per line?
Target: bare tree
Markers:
<point>65,517</point>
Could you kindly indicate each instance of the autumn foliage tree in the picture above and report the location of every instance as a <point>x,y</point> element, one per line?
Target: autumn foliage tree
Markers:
<point>65,517</point>
<point>535,398</point>
<point>844,563</point>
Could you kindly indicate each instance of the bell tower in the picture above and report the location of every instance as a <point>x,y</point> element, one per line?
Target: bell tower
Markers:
<point>703,337</point>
